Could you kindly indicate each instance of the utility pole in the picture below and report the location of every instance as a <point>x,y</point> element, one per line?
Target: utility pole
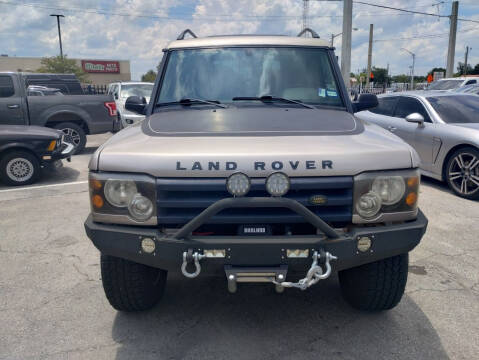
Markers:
<point>412,67</point>
<point>58,16</point>
<point>346,44</point>
<point>305,14</point>
<point>452,40</point>
<point>465,60</point>
<point>370,52</point>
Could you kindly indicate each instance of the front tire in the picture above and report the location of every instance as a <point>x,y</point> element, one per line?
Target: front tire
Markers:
<point>130,286</point>
<point>375,286</point>
<point>19,168</point>
<point>74,134</point>
<point>462,173</point>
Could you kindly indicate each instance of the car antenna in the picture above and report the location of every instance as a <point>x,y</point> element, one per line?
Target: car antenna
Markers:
<point>184,32</point>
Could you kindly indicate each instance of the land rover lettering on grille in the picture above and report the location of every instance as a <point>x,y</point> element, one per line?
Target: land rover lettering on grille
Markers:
<point>257,165</point>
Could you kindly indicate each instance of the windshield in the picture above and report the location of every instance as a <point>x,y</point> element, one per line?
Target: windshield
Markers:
<point>445,85</point>
<point>456,109</point>
<point>136,90</point>
<point>303,74</point>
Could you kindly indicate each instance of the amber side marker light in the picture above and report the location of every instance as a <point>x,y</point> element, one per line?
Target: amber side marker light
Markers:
<point>52,145</point>
<point>97,201</point>
<point>413,181</point>
<point>95,184</point>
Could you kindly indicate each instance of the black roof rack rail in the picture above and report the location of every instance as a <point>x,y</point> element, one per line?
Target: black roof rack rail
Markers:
<point>184,32</point>
<point>312,32</point>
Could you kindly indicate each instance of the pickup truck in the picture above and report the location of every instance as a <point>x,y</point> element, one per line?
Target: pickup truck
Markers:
<point>76,115</point>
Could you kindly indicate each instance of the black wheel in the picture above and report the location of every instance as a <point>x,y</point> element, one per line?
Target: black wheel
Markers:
<point>74,134</point>
<point>462,172</point>
<point>130,286</point>
<point>376,286</point>
<point>19,168</point>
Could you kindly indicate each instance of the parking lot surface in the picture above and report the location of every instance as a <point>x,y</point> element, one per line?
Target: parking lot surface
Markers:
<point>52,303</point>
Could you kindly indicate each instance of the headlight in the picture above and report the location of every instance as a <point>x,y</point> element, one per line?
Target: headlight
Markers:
<point>368,205</point>
<point>140,207</point>
<point>385,196</point>
<point>119,192</point>
<point>390,189</point>
<point>123,198</point>
<point>238,184</point>
<point>277,184</point>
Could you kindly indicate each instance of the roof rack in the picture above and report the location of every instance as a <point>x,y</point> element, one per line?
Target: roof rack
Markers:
<point>184,32</point>
<point>305,30</point>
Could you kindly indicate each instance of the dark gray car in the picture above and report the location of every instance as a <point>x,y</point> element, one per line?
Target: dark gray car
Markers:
<point>75,115</point>
<point>444,130</point>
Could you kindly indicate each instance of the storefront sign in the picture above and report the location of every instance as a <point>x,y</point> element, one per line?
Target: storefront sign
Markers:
<point>100,66</point>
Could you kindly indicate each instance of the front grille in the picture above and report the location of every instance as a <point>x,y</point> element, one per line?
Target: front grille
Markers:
<point>181,199</point>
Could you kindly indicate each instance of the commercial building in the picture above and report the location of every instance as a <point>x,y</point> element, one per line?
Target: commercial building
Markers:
<point>100,72</point>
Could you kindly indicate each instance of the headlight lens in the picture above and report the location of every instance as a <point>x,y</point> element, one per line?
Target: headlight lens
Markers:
<point>389,188</point>
<point>119,192</point>
<point>369,205</point>
<point>123,198</point>
<point>238,184</point>
<point>277,184</point>
<point>140,207</point>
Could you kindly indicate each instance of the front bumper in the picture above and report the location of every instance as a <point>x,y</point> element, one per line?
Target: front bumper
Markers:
<point>64,152</point>
<point>387,240</point>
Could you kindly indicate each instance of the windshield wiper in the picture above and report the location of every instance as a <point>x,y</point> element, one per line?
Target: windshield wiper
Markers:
<point>190,101</point>
<point>269,98</point>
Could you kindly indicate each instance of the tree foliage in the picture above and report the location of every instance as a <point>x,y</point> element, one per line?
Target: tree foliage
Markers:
<point>57,65</point>
<point>150,76</point>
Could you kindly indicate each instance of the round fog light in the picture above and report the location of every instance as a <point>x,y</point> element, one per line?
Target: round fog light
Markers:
<point>368,205</point>
<point>364,243</point>
<point>277,184</point>
<point>148,245</point>
<point>238,184</point>
<point>140,208</point>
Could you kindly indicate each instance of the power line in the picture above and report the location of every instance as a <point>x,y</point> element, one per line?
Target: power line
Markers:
<point>424,36</point>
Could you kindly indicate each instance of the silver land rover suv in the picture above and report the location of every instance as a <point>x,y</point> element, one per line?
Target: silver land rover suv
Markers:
<point>251,165</point>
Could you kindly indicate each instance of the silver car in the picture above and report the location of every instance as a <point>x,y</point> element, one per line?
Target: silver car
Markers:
<point>121,91</point>
<point>444,130</point>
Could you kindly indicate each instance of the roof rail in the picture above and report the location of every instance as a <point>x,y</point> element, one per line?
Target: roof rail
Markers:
<point>312,32</point>
<point>184,32</point>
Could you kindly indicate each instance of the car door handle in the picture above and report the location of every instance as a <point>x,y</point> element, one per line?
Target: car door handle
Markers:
<point>13,106</point>
<point>392,128</point>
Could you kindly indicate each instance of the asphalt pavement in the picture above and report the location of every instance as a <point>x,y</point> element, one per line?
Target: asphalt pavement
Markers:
<point>52,304</point>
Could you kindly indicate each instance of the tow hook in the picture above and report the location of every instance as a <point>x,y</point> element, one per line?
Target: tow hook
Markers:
<point>314,274</point>
<point>191,258</point>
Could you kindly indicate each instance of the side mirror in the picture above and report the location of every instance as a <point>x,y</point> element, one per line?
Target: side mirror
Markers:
<point>415,118</point>
<point>365,101</point>
<point>136,104</point>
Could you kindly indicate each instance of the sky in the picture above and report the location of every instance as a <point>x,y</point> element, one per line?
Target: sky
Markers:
<point>138,30</point>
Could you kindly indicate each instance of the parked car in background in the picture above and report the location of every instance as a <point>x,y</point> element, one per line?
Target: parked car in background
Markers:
<point>25,150</point>
<point>469,89</point>
<point>453,83</point>
<point>443,128</point>
<point>34,90</point>
<point>121,91</point>
<point>76,115</point>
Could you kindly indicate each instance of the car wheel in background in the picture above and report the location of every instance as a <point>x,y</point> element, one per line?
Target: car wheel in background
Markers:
<point>74,135</point>
<point>462,172</point>
<point>19,168</point>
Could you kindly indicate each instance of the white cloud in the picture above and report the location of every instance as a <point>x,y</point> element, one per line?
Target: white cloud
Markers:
<point>29,31</point>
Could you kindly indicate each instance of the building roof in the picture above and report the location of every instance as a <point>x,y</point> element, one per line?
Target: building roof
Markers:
<point>244,40</point>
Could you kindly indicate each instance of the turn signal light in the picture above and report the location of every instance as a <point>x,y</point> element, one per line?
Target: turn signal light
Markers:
<point>413,181</point>
<point>97,201</point>
<point>95,184</point>
<point>52,145</point>
<point>411,199</point>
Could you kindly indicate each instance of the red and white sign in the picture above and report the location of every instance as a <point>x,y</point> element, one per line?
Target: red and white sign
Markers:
<point>100,66</point>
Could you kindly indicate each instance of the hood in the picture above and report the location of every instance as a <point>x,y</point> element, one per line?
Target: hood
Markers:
<point>474,126</point>
<point>23,131</point>
<point>165,146</point>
